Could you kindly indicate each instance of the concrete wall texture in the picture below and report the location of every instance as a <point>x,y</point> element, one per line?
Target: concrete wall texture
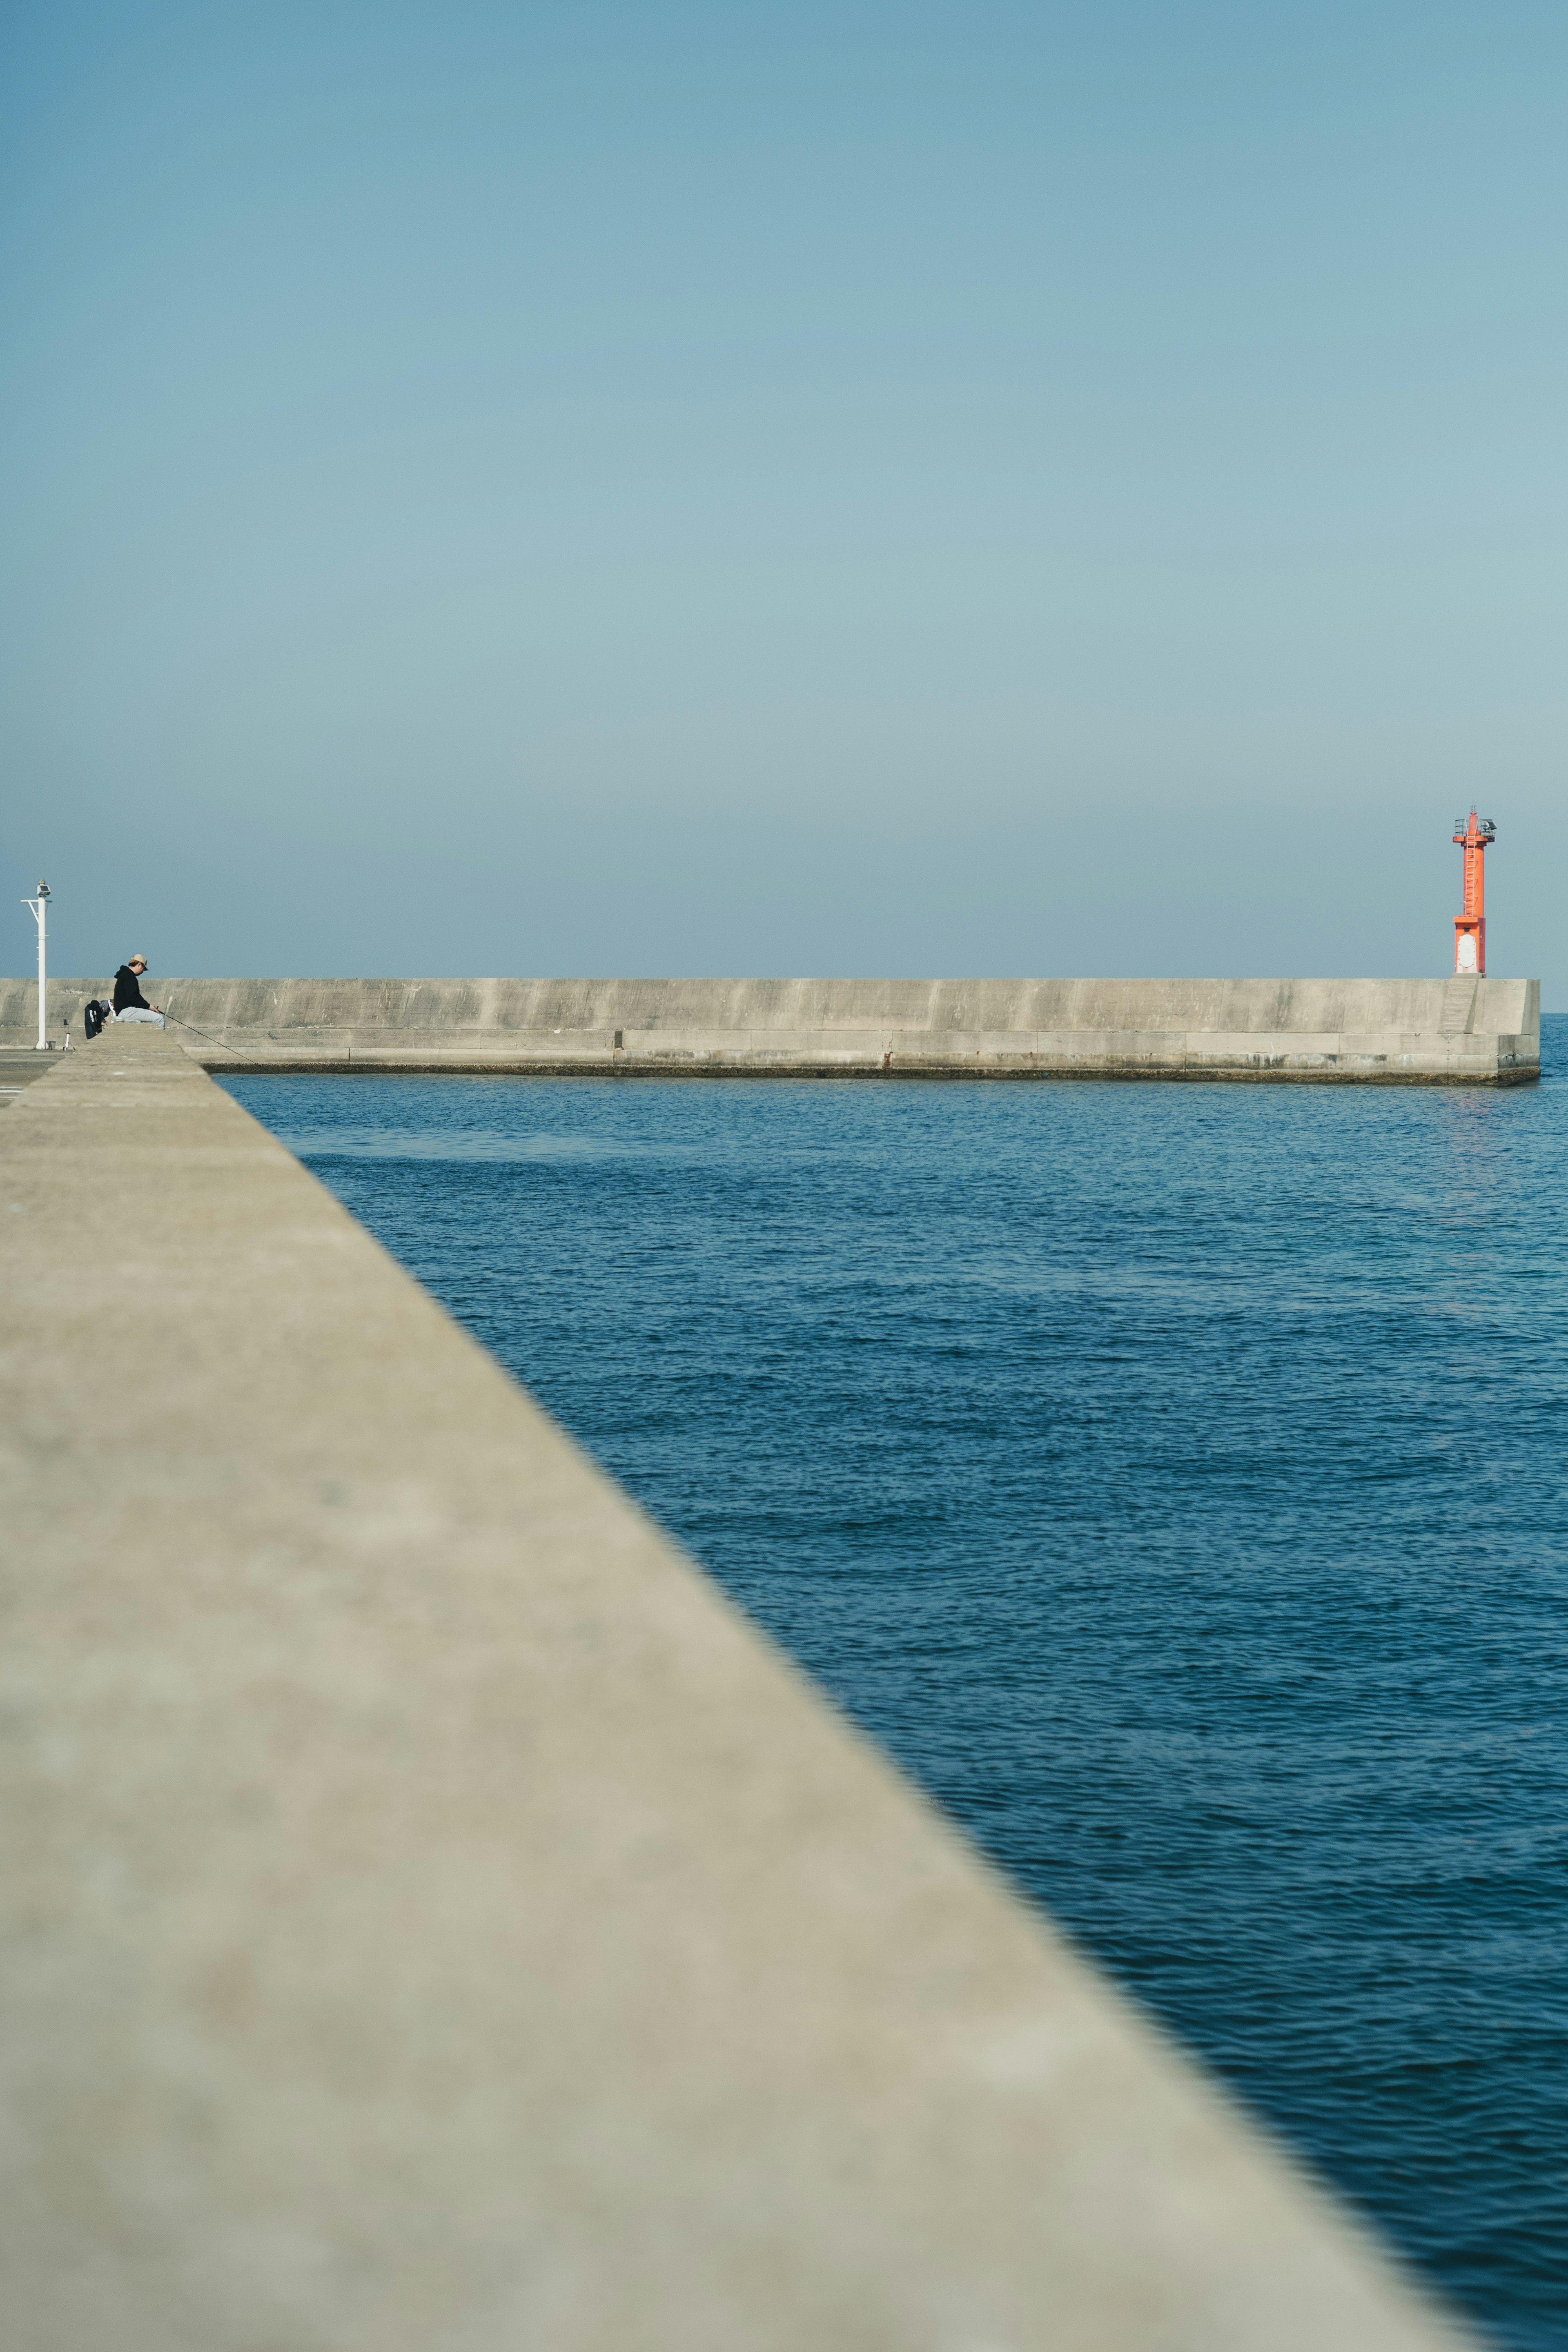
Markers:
<point>1456,1031</point>
<point>431,1917</point>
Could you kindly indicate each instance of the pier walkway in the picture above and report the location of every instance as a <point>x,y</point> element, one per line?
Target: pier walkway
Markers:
<point>432,1917</point>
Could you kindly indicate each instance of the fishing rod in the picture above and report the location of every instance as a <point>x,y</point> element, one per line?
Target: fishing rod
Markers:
<point>211,1040</point>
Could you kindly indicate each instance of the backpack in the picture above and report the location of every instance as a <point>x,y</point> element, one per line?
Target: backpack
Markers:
<point>94,1013</point>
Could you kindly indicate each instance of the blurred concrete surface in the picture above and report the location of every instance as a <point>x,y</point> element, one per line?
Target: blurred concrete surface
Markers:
<point>431,1920</point>
<point>19,1065</point>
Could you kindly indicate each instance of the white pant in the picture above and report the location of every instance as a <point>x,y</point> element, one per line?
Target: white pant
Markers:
<point>136,1013</point>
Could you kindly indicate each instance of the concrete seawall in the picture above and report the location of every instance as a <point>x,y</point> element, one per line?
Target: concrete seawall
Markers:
<point>431,1917</point>
<point>1453,1031</point>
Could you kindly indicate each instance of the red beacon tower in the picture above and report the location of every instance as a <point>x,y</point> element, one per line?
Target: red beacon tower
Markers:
<point>1471,927</point>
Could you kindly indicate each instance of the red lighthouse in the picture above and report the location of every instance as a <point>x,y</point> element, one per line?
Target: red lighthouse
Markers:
<point>1471,927</point>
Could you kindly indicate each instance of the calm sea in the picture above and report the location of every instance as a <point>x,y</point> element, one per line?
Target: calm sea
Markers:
<point>1171,1477</point>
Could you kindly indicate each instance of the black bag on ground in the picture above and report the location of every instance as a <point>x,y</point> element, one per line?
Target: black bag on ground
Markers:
<point>94,1013</point>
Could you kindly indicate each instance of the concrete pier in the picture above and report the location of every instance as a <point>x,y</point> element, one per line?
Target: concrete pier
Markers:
<point>1420,1032</point>
<point>19,1068</point>
<point>430,1916</point>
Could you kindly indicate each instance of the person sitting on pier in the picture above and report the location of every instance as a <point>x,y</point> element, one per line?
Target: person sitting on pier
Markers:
<point>129,1005</point>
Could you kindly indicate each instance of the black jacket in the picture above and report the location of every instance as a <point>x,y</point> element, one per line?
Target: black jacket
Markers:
<point>128,994</point>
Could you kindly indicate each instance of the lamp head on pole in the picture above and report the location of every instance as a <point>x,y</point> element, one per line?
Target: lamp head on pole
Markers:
<point>43,889</point>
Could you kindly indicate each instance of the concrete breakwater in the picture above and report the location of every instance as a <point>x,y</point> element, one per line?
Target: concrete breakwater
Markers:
<point>1413,1031</point>
<point>429,1915</point>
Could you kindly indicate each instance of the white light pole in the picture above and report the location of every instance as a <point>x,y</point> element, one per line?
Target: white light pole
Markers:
<point>40,907</point>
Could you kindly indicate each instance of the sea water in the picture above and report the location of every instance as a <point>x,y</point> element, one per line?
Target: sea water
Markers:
<point>1171,1477</point>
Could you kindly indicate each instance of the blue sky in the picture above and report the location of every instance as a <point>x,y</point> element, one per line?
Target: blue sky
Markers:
<point>854,489</point>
